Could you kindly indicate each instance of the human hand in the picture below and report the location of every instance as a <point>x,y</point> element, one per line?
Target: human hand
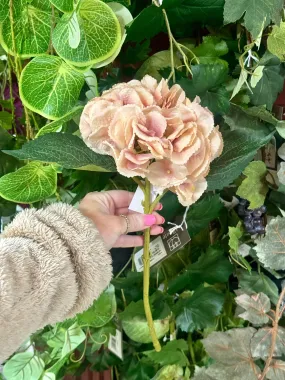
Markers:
<point>105,208</point>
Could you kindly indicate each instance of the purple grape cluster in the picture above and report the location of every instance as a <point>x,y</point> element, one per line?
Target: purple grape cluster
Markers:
<point>253,219</point>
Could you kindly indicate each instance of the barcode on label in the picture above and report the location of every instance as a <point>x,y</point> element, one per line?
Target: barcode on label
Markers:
<point>115,344</point>
<point>157,252</point>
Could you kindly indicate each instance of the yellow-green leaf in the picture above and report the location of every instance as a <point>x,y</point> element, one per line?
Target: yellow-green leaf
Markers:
<point>254,187</point>
<point>50,87</point>
<point>31,183</point>
<point>100,34</point>
<point>276,41</point>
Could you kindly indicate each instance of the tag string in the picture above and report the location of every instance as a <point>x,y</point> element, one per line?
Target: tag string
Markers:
<point>179,226</point>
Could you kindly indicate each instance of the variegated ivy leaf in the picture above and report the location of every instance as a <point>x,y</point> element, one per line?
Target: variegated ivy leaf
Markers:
<point>256,76</point>
<point>276,370</point>
<point>73,31</point>
<point>271,249</point>
<point>32,25</point>
<point>255,307</point>
<point>281,151</point>
<point>261,343</point>
<point>100,33</point>
<point>231,351</point>
<point>50,87</point>
<point>219,371</point>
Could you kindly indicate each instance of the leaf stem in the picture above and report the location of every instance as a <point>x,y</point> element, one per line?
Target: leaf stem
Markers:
<point>18,69</point>
<point>170,45</point>
<point>274,334</point>
<point>191,350</point>
<point>146,272</point>
<point>139,183</point>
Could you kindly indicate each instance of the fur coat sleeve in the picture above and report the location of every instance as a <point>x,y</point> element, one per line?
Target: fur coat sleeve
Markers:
<point>53,264</point>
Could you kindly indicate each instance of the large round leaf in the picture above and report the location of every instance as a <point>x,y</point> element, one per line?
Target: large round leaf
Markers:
<point>137,329</point>
<point>50,87</point>
<point>32,25</point>
<point>25,365</point>
<point>99,30</point>
<point>124,17</point>
<point>63,5</point>
<point>31,183</point>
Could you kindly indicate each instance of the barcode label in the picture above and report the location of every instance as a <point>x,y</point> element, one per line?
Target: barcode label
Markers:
<point>115,344</point>
<point>157,253</point>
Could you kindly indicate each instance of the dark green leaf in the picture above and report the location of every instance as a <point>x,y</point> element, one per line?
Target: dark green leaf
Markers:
<point>206,83</point>
<point>103,360</point>
<point>146,25</point>
<point>200,310</point>
<point>137,53</point>
<point>5,119</point>
<point>211,267</point>
<point>271,82</point>
<point>5,138</point>
<point>171,353</point>
<point>257,15</point>
<point>139,370</point>
<point>195,11</point>
<point>203,212</point>
<point>51,127</point>
<point>66,150</point>
<point>240,148</point>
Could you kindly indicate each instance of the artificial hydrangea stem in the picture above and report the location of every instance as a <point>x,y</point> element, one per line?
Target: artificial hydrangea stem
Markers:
<point>146,271</point>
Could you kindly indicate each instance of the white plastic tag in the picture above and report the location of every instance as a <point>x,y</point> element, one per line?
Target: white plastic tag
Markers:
<point>157,252</point>
<point>115,344</point>
<point>138,198</point>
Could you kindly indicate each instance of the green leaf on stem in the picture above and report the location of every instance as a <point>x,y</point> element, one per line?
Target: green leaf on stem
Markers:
<point>200,310</point>
<point>55,86</point>
<point>63,5</point>
<point>173,371</point>
<point>203,212</point>
<point>32,25</point>
<point>31,183</point>
<point>271,249</point>
<point>235,233</point>
<point>276,41</point>
<point>211,267</point>
<point>240,147</point>
<point>254,188</point>
<point>207,84</point>
<point>256,15</point>
<point>271,83</point>
<point>147,24</point>
<point>25,365</point>
<point>66,150</point>
<point>171,353</point>
<point>102,310</point>
<point>74,336</point>
<point>56,124</point>
<point>155,63</point>
<point>100,34</point>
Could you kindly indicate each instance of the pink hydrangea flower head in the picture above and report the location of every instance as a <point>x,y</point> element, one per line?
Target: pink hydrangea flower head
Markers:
<point>154,132</point>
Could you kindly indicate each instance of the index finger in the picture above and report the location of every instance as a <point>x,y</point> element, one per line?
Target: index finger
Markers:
<point>121,198</point>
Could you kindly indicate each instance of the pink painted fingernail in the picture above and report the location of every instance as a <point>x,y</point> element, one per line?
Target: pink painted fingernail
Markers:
<point>161,229</point>
<point>149,220</point>
<point>160,206</point>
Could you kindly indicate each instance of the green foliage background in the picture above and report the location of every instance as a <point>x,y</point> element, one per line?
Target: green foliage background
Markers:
<point>217,303</point>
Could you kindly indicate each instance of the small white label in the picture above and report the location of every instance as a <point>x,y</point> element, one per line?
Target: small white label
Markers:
<point>157,252</point>
<point>138,198</point>
<point>115,344</point>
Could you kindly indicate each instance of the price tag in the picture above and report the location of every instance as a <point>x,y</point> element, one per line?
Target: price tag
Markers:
<point>138,198</point>
<point>163,246</point>
<point>115,344</point>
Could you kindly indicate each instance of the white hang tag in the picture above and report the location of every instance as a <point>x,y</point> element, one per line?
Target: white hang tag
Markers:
<point>137,201</point>
<point>115,344</point>
<point>171,241</point>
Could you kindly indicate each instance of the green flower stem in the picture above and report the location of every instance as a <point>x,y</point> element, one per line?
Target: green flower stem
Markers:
<point>146,272</point>
<point>191,350</point>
